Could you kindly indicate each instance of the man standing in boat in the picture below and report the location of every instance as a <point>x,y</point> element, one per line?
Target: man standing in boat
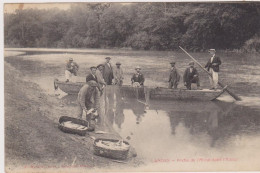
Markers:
<point>213,67</point>
<point>92,75</point>
<point>138,78</point>
<point>190,76</point>
<point>71,69</point>
<point>174,77</point>
<point>88,98</point>
<point>118,74</point>
<point>99,74</point>
<point>108,71</point>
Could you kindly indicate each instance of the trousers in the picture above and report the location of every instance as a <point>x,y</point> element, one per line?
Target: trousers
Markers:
<point>69,76</point>
<point>214,80</point>
<point>193,80</point>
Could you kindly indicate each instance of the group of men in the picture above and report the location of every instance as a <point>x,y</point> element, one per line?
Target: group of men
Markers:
<point>191,74</point>
<point>96,80</point>
<point>104,74</point>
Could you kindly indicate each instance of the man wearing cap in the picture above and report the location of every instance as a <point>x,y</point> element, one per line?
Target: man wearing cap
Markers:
<point>108,72</point>
<point>88,98</point>
<point>118,74</point>
<point>71,69</point>
<point>213,67</point>
<point>138,77</point>
<point>190,76</point>
<point>99,75</point>
<point>92,75</point>
<point>174,77</point>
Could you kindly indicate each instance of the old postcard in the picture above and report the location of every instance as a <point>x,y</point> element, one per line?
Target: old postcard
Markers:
<point>134,86</point>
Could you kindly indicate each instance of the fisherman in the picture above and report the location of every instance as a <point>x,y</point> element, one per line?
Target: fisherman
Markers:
<point>99,75</point>
<point>174,77</point>
<point>138,78</point>
<point>108,72</point>
<point>213,67</point>
<point>92,75</point>
<point>190,76</point>
<point>71,69</point>
<point>88,99</point>
<point>118,74</point>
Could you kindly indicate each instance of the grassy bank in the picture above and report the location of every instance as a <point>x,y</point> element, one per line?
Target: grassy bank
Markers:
<point>32,138</point>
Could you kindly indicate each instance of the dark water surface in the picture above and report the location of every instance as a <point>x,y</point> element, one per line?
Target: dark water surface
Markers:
<point>176,129</point>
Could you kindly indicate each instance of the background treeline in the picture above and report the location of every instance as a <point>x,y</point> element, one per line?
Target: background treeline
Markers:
<point>148,26</point>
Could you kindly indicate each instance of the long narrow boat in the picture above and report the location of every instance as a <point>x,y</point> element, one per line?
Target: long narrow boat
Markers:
<point>144,92</point>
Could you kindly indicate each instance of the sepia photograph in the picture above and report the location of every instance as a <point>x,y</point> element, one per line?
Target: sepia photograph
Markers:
<point>131,86</point>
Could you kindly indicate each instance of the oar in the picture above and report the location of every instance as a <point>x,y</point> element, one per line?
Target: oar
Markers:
<point>220,84</point>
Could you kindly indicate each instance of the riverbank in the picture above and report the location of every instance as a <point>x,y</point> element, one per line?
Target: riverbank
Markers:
<point>32,138</point>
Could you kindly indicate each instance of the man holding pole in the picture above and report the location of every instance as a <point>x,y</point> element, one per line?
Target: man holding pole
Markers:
<point>213,67</point>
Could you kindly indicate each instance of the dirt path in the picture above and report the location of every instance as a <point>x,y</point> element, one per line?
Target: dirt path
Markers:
<point>32,139</point>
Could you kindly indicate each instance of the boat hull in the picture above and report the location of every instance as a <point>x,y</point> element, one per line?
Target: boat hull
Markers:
<point>147,92</point>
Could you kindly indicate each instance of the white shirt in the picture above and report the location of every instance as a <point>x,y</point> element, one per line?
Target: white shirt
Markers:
<point>212,58</point>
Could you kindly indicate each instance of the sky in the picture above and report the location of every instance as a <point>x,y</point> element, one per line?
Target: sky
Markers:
<point>10,8</point>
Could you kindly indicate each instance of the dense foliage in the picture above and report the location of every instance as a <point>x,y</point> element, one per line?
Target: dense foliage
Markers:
<point>157,26</point>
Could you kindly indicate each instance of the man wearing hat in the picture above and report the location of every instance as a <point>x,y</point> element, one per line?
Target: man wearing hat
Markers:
<point>108,72</point>
<point>99,74</point>
<point>138,77</point>
<point>92,75</point>
<point>88,98</point>
<point>118,74</point>
<point>213,67</point>
<point>190,76</point>
<point>174,77</point>
<point>71,69</point>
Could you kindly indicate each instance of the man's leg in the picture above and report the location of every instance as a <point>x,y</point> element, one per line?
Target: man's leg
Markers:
<point>67,75</point>
<point>170,84</point>
<point>79,112</point>
<point>211,78</point>
<point>215,79</point>
<point>175,85</point>
<point>188,86</point>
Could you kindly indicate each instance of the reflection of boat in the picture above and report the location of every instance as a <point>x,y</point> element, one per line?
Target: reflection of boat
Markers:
<point>147,92</point>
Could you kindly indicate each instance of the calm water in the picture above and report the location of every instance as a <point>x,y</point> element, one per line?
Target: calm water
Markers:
<point>170,130</point>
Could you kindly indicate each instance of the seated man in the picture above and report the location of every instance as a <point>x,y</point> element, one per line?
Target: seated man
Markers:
<point>138,78</point>
<point>88,98</point>
<point>71,69</point>
<point>190,76</point>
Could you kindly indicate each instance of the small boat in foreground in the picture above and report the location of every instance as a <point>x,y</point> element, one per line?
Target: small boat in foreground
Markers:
<point>147,92</point>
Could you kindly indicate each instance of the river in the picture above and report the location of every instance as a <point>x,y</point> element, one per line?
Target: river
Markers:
<point>169,133</point>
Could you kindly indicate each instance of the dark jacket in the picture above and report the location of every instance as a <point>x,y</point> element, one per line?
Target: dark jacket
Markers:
<point>91,77</point>
<point>138,78</point>
<point>188,76</point>
<point>174,76</point>
<point>108,74</point>
<point>72,67</point>
<point>209,64</point>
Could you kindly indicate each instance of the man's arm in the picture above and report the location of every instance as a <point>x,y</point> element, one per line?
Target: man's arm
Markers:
<point>82,97</point>
<point>185,76</point>
<point>142,79</point>
<point>68,67</point>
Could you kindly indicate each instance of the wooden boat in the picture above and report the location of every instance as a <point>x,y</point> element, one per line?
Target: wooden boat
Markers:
<point>147,92</point>
<point>68,87</point>
<point>182,94</point>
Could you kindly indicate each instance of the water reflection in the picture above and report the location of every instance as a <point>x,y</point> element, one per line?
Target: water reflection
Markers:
<point>215,123</point>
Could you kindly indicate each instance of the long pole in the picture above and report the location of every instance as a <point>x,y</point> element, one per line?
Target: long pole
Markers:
<point>220,84</point>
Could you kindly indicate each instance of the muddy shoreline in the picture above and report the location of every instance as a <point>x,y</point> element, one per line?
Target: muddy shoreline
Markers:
<point>32,137</point>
